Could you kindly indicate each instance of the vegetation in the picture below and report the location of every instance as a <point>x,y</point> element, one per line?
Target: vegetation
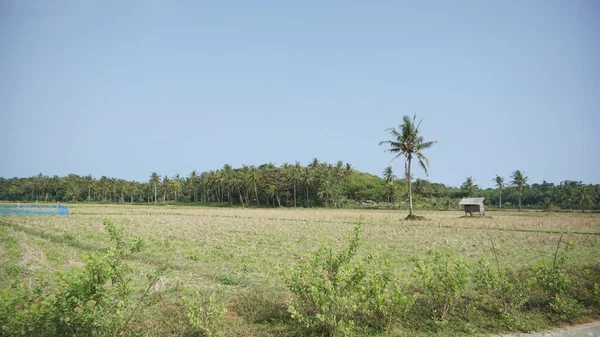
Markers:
<point>519,180</point>
<point>469,187</point>
<point>96,299</point>
<point>407,142</point>
<point>200,271</point>
<point>352,189</point>
<point>357,189</point>
<point>500,184</point>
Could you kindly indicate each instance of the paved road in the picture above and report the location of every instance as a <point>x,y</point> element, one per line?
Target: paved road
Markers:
<point>584,330</point>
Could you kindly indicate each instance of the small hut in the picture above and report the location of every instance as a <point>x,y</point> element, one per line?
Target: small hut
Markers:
<point>472,205</point>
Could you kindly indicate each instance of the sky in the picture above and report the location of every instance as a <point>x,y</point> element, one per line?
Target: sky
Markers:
<point>125,88</point>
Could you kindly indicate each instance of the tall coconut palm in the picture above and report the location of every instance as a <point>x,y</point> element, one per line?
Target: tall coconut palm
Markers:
<point>193,184</point>
<point>154,181</point>
<point>176,186</point>
<point>500,184</point>
<point>519,180</point>
<point>308,180</point>
<point>254,178</point>
<point>294,174</point>
<point>166,184</point>
<point>339,173</point>
<point>407,142</point>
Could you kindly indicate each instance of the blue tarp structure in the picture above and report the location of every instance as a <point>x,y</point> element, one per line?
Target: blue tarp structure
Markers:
<point>33,210</point>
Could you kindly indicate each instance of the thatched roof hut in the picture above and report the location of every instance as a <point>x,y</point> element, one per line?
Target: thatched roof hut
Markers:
<point>471,205</point>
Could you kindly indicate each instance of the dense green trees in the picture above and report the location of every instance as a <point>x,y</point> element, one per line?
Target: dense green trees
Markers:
<point>318,184</point>
<point>407,142</point>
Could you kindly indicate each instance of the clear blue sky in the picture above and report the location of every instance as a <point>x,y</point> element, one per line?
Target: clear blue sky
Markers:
<point>124,88</point>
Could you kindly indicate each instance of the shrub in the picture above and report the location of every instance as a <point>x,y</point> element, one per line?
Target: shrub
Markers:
<point>383,299</point>
<point>507,294</point>
<point>442,280</point>
<point>94,300</point>
<point>205,314</point>
<point>336,293</point>
<point>556,286</point>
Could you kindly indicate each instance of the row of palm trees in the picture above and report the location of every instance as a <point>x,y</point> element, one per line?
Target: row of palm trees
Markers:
<point>407,142</point>
<point>566,195</point>
<point>308,188</point>
<point>319,183</point>
<point>519,181</point>
<point>270,185</point>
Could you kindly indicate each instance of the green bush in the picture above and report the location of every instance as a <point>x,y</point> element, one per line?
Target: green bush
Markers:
<point>25,312</point>
<point>555,285</point>
<point>442,281</point>
<point>383,300</point>
<point>336,293</point>
<point>95,300</point>
<point>205,314</point>
<point>502,292</point>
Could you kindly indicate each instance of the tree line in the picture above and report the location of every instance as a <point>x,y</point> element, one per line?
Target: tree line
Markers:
<point>318,184</point>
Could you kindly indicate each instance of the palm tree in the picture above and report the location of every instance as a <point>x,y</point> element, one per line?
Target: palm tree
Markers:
<point>120,184</point>
<point>40,185</point>
<point>391,189</point>
<point>339,176</point>
<point>584,197</point>
<point>166,182</point>
<point>408,143</point>
<point>294,176</point>
<point>176,185</point>
<point>422,188</point>
<point>254,179</point>
<point>15,190</point>
<point>388,174</point>
<point>389,177</point>
<point>193,179</point>
<point>307,180</point>
<point>500,183</point>
<point>226,175</point>
<point>469,186</point>
<point>519,180</point>
<point>154,181</point>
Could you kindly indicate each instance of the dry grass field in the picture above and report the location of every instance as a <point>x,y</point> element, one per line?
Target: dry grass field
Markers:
<point>242,252</point>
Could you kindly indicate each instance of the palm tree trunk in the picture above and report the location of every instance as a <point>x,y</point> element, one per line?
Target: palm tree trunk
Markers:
<point>500,200</point>
<point>307,200</point>
<point>410,203</point>
<point>256,194</point>
<point>520,193</point>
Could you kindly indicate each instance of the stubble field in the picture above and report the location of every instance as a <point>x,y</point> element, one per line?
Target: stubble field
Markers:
<point>241,253</point>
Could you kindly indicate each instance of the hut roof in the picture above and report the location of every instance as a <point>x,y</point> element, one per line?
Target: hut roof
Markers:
<point>471,201</point>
